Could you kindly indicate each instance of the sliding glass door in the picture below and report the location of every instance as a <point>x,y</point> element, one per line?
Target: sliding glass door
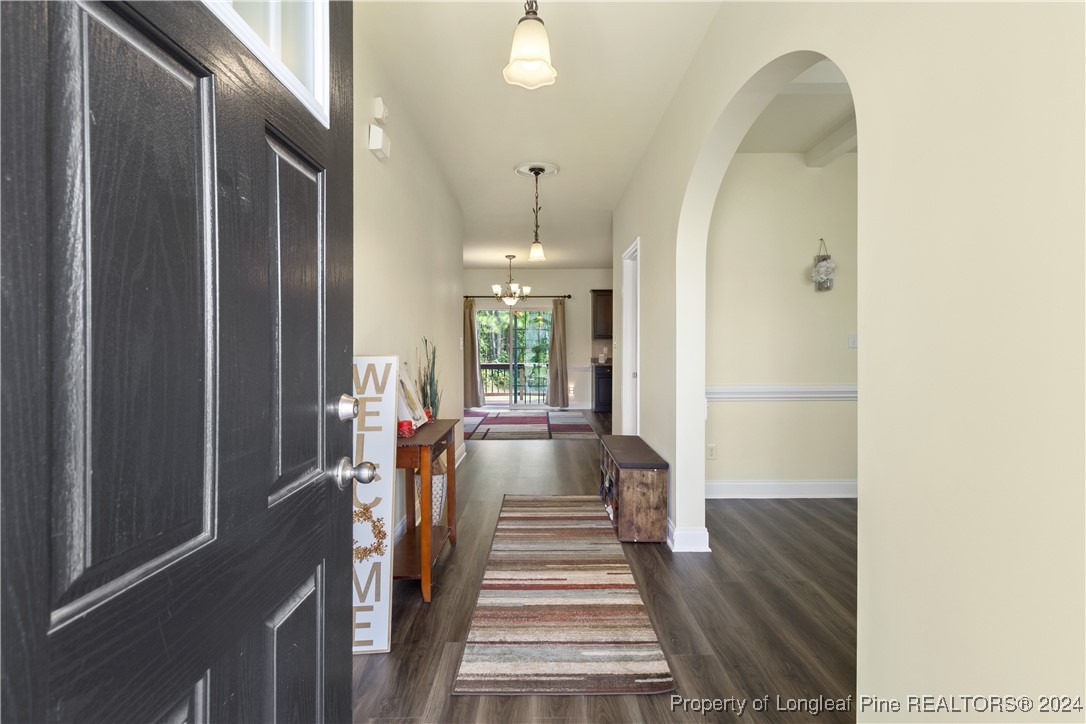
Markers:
<point>514,349</point>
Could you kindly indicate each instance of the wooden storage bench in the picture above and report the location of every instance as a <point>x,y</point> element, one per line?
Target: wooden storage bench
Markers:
<point>634,483</point>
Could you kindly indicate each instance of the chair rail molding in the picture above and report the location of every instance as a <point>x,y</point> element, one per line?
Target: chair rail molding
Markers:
<point>720,393</point>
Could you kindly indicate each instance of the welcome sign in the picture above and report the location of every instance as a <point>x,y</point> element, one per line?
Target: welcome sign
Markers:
<point>375,388</point>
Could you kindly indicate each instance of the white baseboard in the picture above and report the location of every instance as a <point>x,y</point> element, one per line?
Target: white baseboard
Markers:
<point>780,489</point>
<point>461,453</point>
<point>687,540</point>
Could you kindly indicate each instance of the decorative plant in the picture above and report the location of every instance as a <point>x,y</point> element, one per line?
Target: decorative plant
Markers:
<point>427,377</point>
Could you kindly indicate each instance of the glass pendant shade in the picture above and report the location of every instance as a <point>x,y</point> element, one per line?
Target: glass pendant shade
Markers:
<point>530,58</point>
<point>536,253</point>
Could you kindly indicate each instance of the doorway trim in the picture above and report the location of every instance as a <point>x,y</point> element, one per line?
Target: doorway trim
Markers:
<point>631,338</point>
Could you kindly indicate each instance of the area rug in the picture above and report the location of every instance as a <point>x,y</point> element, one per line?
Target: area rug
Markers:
<point>558,610</point>
<point>526,425</point>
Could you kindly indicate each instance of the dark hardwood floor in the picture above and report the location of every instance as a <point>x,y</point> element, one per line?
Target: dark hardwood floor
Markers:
<point>600,421</point>
<point>770,612</point>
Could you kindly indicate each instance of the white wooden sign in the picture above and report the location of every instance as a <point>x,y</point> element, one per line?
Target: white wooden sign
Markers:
<point>375,386</point>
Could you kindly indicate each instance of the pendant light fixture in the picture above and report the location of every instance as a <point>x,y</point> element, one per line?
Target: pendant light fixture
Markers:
<point>510,292</point>
<point>530,57</point>
<point>536,169</point>
<point>536,253</point>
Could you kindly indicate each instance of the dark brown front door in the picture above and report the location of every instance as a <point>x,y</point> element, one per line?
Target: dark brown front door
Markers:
<point>176,268</point>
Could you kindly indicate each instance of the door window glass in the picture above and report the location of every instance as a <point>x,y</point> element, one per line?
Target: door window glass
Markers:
<point>290,37</point>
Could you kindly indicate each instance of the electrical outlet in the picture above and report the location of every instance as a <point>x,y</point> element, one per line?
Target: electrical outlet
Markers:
<point>710,451</point>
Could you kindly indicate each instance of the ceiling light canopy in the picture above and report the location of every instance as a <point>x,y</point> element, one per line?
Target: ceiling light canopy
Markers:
<point>510,292</point>
<point>530,57</point>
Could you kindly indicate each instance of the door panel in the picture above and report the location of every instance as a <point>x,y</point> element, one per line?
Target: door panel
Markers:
<point>176,299</point>
<point>294,634</point>
<point>137,488</point>
<point>191,708</point>
<point>296,191</point>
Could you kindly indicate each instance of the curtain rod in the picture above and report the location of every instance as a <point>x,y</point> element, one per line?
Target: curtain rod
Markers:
<point>530,296</point>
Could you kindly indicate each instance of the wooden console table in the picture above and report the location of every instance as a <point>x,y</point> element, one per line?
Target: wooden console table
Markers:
<point>417,551</point>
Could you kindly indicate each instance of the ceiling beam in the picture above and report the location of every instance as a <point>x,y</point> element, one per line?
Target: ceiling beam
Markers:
<point>834,145</point>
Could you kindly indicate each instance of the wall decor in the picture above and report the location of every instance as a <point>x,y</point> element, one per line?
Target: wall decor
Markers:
<point>824,269</point>
<point>376,389</point>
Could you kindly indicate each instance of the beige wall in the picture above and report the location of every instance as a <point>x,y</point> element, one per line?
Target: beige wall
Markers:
<point>578,282</point>
<point>766,325</point>
<point>972,571</point>
<point>408,247</point>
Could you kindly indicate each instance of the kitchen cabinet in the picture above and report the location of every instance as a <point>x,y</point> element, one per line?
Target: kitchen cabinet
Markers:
<point>602,314</point>
<point>601,387</point>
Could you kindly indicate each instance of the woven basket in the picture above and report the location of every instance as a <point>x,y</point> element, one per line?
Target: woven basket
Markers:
<point>437,496</point>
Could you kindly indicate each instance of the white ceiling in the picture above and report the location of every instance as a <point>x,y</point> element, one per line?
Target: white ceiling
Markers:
<point>618,67</point>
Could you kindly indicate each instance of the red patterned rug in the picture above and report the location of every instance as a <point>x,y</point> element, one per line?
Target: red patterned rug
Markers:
<point>526,425</point>
<point>558,610</point>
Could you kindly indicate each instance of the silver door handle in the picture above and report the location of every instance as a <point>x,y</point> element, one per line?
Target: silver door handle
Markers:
<point>347,407</point>
<point>365,472</point>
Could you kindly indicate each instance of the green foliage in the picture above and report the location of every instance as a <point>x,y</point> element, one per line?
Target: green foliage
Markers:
<point>520,337</point>
<point>531,335</point>
<point>427,376</point>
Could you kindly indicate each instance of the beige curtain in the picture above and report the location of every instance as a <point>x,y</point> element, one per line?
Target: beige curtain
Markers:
<point>473,376</point>
<point>558,380</point>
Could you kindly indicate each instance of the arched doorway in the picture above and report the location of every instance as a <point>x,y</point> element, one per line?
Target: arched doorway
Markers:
<point>695,217</point>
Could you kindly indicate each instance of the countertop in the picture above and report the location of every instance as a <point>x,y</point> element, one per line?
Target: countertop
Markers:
<point>597,363</point>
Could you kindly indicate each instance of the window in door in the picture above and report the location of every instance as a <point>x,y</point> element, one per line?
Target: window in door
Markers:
<point>291,38</point>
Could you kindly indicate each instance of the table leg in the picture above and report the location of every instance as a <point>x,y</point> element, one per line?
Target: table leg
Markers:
<point>450,491</point>
<point>426,506</point>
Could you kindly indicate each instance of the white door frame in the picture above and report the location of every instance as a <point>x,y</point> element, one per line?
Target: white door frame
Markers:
<point>631,342</point>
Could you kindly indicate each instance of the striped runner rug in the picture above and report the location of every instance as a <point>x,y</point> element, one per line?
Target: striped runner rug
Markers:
<point>558,610</point>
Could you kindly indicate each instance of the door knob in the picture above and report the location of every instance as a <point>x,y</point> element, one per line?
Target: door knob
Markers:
<point>365,473</point>
<point>347,407</point>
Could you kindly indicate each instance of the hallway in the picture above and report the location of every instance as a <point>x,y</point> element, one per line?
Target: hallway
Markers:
<point>771,611</point>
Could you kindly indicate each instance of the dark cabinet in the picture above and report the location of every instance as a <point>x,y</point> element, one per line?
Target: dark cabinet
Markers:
<point>601,388</point>
<point>602,314</point>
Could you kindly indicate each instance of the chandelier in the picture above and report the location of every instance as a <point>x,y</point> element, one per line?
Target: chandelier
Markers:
<point>530,57</point>
<point>510,292</point>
